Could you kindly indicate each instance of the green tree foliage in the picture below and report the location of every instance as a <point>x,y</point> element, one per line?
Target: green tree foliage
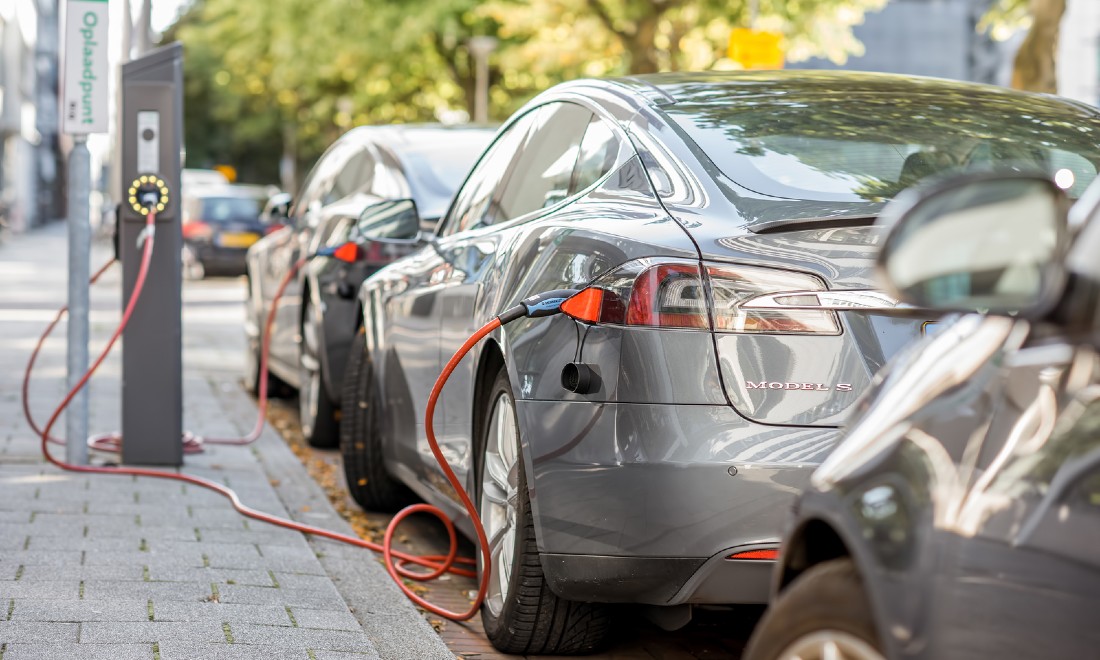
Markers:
<point>284,78</point>
<point>1005,17</point>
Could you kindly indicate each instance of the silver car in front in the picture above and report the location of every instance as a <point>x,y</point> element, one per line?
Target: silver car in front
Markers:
<point>649,453</point>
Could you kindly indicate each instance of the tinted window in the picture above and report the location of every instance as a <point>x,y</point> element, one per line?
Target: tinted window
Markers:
<point>544,170</point>
<point>475,198</point>
<point>388,181</point>
<point>867,147</point>
<point>353,176</point>
<point>434,175</point>
<point>222,210</point>
<point>598,150</point>
<point>322,176</point>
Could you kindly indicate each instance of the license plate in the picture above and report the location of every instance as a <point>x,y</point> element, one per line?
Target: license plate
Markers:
<point>930,328</point>
<point>237,239</point>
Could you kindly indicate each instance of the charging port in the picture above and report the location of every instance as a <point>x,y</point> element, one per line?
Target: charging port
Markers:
<point>148,194</point>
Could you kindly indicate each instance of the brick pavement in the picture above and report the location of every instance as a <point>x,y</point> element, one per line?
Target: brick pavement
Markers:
<point>100,566</point>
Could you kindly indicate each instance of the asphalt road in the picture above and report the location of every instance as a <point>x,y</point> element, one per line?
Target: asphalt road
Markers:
<point>713,634</point>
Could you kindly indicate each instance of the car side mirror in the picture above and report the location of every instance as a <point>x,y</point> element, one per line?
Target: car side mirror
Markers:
<point>276,212</point>
<point>395,220</point>
<point>992,243</point>
<point>425,238</point>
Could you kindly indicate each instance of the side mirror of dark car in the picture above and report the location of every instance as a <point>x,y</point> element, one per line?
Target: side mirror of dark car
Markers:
<point>425,238</point>
<point>276,212</point>
<point>391,221</point>
<point>990,242</point>
<point>277,206</point>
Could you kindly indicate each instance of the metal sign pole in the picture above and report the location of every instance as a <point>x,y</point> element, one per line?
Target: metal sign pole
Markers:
<point>80,248</point>
<point>83,111</point>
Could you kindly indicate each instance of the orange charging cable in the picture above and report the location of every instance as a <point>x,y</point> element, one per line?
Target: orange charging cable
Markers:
<point>395,560</point>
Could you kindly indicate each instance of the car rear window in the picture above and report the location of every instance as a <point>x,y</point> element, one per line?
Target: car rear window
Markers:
<point>870,147</point>
<point>230,209</point>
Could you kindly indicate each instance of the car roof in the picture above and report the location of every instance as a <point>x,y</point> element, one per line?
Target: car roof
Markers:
<point>714,87</point>
<point>230,190</point>
<point>419,137</point>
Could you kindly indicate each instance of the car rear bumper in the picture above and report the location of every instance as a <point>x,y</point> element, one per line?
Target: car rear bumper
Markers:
<point>659,580</point>
<point>220,259</point>
<point>646,501</point>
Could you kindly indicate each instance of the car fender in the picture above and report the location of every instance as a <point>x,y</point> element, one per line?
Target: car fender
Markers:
<point>824,510</point>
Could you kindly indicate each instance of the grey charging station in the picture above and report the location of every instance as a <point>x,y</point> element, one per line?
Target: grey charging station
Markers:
<point>151,130</point>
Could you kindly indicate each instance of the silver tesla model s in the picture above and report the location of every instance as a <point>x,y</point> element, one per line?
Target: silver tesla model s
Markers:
<point>647,452</point>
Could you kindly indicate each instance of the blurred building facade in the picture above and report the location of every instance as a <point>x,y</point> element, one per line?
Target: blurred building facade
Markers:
<point>30,159</point>
<point>940,38</point>
<point>18,133</point>
<point>1079,52</point>
<point>930,38</point>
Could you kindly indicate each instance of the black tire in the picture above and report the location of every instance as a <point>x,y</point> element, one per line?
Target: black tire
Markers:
<point>361,438</point>
<point>827,597</point>
<point>321,422</point>
<point>532,620</point>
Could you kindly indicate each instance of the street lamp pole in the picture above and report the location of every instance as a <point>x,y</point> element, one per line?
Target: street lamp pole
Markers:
<point>145,28</point>
<point>480,47</point>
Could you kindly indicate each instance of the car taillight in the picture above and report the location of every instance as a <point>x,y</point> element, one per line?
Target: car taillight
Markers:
<point>767,554</point>
<point>733,285</point>
<point>679,293</point>
<point>196,229</point>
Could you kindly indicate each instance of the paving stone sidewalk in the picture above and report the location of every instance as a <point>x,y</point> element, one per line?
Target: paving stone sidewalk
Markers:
<point>103,566</point>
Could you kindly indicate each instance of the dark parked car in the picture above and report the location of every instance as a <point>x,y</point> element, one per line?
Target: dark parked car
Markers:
<point>708,211</point>
<point>220,223</point>
<point>317,317</point>
<point>960,516</point>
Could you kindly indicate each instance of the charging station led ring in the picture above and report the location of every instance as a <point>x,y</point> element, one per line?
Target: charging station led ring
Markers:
<point>147,194</point>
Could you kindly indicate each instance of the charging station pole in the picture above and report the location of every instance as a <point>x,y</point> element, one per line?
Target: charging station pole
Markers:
<point>151,130</point>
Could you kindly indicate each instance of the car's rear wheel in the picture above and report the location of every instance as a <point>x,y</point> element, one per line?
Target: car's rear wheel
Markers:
<point>361,438</point>
<point>193,269</point>
<point>520,613</point>
<point>317,412</point>
<point>823,615</point>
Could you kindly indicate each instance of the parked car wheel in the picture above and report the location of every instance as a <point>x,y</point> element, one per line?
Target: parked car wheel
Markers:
<point>823,614</point>
<point>361,438</point>
<point>193,269</point>
<point>520,613</point>
<point>317,412</point>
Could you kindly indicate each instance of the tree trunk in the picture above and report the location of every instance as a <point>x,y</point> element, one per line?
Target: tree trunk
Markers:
<point>288,164</point>
<point>643,54</point>
<point>1035,69</point>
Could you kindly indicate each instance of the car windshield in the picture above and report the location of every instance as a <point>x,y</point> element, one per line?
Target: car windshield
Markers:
<point>436,174</point>
<point>868,147</point>
<point>230,209</point>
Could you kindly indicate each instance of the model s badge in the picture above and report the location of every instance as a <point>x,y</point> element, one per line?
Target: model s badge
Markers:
<point>815,387</point>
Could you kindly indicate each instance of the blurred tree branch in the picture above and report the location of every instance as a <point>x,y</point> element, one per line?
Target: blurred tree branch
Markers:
<point>284,78</point>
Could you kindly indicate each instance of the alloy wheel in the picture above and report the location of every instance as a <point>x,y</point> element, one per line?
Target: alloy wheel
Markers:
<point>499,493</point>
<point>309,392</point>
<point>830,645</point>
